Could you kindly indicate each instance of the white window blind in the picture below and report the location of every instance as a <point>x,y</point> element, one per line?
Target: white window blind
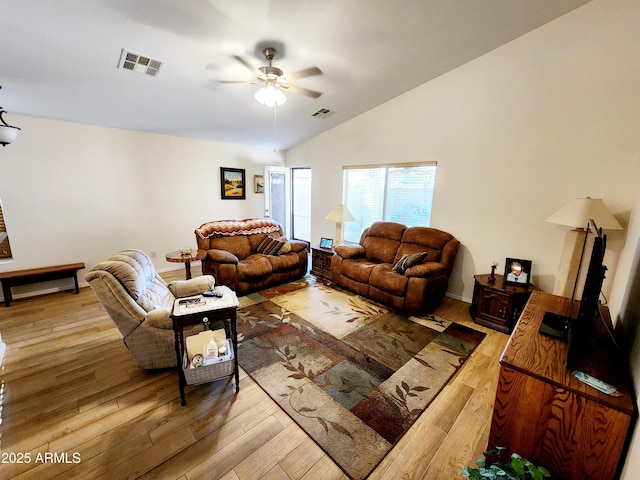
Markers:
<point>394,193</point>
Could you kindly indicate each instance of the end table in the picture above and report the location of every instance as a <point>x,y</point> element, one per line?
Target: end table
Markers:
<point>498,305</point>
<point>178,257</point>
<point>321,262</point>
<point>208,309</point>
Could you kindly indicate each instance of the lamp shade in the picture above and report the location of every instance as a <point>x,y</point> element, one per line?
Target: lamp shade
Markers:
<point>340,214</point>
<point>578,211</point>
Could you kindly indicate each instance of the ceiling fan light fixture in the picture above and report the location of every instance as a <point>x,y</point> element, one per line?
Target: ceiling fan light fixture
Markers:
<point>270,95</point>
<point>8,133</point>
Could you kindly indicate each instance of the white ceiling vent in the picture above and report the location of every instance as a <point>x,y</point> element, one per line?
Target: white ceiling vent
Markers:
<point>139,63</point>
<point>322,113</point>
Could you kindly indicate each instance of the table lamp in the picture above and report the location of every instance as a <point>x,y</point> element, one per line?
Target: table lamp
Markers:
<point>576,214</point>
<point>339,214</point>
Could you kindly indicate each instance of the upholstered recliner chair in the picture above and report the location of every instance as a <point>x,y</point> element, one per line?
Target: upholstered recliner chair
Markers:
<point>139,302</point>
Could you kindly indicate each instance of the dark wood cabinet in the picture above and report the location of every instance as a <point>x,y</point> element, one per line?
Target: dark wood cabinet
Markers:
<point>545,414</point>
<point>496,305</point>
<point>321,262</point>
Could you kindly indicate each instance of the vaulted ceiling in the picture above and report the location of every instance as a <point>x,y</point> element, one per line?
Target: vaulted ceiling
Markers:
<point>59,59</point>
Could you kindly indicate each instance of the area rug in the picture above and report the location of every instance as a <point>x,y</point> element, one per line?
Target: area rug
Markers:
<point>353,374</point>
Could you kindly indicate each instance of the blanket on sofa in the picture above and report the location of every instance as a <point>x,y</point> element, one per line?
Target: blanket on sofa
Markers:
<point>229,228</point>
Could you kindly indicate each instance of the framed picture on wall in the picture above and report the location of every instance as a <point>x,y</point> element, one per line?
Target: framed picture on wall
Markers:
<point>232,183</point>
<point>517,271</point>
<point>258,183</point>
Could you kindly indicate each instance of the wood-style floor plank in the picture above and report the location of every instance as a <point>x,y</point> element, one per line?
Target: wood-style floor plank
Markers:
<point>70,387</point>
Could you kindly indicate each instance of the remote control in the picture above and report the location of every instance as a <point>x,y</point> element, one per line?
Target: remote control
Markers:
<point>210,293</point>
<point>596,383</point>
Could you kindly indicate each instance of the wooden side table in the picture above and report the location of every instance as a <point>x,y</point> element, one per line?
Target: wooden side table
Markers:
<point>225,311</point>
<point>178,257</point>
<point>321,261</point>
<point>498,305</point>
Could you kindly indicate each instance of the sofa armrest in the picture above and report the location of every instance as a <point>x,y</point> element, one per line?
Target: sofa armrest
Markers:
<point>426,269</point>
<point>194,286</point>
<point>350,251</point>
<point>222,256</point>
<point>298,245</point>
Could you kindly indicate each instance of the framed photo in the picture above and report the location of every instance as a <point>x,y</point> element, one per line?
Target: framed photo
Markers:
<point>232,183</point>
<point>258,183</point>
<point>326,243</point>
<point>517,271</point>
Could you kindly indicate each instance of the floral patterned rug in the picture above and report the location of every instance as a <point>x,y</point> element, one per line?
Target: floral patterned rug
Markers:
<point>353,374</point>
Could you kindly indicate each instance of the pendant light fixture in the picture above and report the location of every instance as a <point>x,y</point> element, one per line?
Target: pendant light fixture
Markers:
<point>8,133</point>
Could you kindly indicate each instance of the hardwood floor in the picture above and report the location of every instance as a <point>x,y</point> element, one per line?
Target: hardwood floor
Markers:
<point>74,405</point>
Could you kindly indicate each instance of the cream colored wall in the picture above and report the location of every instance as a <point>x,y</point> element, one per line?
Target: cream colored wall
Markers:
<point>516,133</point>
<point>74,192</point>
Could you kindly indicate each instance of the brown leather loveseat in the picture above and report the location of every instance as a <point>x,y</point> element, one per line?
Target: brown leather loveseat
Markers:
<point>251,254</point>
<point>389,265</point>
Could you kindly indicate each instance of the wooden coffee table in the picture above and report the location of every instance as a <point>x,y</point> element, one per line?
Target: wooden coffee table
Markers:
<point>177,257</point>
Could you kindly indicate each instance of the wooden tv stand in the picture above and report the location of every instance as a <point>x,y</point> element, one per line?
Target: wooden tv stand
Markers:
<point>545,414</point>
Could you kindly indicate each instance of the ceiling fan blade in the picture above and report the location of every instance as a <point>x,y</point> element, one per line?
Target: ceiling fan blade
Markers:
<point>303,91</point>
<point>309,72</point>
<point>246,65</point>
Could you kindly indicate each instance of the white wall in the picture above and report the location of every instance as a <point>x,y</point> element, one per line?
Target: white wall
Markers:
<point>73,192</point>
<point>551,116</point>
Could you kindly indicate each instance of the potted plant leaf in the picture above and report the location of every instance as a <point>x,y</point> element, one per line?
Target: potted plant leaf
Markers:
<point>517,468</point>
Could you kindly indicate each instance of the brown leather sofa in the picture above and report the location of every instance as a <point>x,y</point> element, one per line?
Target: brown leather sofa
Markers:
<point>368,269</point>
<point>239,257</point>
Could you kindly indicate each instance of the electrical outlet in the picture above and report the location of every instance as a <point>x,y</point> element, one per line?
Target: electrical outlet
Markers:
<point>154,254</point>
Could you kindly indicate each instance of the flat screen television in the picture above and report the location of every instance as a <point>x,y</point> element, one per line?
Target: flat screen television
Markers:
<point>580,330</point>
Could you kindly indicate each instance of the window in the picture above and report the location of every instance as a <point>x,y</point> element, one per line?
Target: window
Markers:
<point>400,193</point>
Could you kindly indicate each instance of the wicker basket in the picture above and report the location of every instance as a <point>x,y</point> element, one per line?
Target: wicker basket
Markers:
<point>223,366</point>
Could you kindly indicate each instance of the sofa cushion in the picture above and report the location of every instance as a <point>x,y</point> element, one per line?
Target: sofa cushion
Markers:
<point>409,260</point>
<point>238,245</point>
<point>381,241</point>
<point>421,239</point>
<point>281,263</point>
<point>253,266</point>
<point>384,278</point>
<point>358,270</point>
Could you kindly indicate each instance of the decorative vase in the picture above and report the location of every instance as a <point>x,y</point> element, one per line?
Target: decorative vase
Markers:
<point>492,277</point>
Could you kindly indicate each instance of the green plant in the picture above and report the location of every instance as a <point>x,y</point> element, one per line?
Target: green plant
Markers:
<point>517,469</point>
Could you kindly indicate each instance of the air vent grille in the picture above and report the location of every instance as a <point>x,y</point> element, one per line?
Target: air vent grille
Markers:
<point>322,113</point>
<point>139,63</point>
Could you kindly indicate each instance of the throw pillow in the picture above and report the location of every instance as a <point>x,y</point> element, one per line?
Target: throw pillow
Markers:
<point>269,246</point>
<point>409,260</point>
<point>399,266</point>
<point>286,247</point>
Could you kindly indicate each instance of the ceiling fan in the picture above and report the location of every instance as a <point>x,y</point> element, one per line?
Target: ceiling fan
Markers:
<point>273,79</point>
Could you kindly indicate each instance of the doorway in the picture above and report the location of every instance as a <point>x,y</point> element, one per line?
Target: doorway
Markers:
<point>287,196</point>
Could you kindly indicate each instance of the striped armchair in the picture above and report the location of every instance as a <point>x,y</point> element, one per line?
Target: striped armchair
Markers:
<point>139,302</point>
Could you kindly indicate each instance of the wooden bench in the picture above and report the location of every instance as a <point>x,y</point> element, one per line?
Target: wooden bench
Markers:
<point>34,275</point>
